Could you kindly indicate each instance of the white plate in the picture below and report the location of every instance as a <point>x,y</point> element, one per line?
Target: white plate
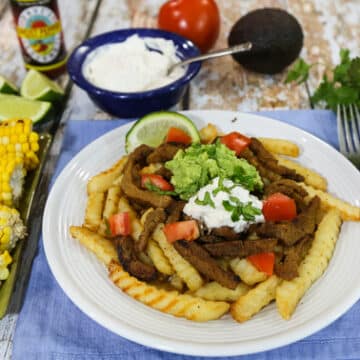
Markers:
<point>86,283</point>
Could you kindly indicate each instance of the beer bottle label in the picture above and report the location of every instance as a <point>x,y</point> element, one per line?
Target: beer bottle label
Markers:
<point>39,30</point>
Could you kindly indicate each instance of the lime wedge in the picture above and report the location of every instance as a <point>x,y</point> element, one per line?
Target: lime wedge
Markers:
<point>12,106</point>
<point>37,86</point>
<point>7,87</point>
<point>152,129</point>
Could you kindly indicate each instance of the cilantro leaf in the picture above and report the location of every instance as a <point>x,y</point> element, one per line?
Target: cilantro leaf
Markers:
<point>206,201</point>
<point>150,186</point>
<point>342,89</point>
<point>299,72</point>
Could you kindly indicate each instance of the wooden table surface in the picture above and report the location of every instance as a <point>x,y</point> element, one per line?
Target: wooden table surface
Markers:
<point>328,25</point>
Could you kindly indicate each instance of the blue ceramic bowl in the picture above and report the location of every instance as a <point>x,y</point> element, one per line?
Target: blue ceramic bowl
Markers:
<point>133,105</point>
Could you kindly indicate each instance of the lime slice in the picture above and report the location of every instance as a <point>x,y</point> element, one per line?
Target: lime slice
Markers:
<point>12,106</point>
<point>152,129</point>
<point>37,86</point>
<point>7,87</point>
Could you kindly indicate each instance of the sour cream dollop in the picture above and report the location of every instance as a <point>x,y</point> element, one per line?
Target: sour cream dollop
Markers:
<point>215,215</point>
<point>130,66</point>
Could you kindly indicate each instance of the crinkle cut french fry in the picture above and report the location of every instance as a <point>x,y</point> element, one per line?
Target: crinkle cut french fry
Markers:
<point>280,146</point>
<point>216,292</point>
<point>103,248</point>
<point>94,210</point>
<point>348,212</point>
<point>136,226</point>
<point>246,271</point>
<point>103,181</point>
<point>170,302</point>
<point>254,300</point>
<point>158,258</point>
<point>289,293</point>
<point>183,268</point>
<point>311,177</point>
<point>208,134</point>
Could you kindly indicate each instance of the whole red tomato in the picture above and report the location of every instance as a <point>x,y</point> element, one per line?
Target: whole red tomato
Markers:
<point>197,20</point>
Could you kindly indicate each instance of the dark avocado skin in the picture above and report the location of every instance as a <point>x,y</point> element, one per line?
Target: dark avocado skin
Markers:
<point>277,40</point>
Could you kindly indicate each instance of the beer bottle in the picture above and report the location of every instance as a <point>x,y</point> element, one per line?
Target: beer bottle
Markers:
<point>40,35</point>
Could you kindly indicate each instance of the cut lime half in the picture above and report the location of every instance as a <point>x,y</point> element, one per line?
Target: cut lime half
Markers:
<point>37,86</point>
<point>12,106</point>
<point>152,129</point>
<point>7,87</point>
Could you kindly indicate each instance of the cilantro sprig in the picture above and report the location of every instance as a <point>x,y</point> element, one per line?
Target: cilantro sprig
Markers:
<point>238,209</point>
<point>342,89</point>
<point>206,201</point>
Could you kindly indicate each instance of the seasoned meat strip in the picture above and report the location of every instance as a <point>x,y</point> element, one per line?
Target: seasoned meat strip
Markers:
<point>164,172</point>
<point>240,248</point>
<point>175,211</point>
<point>269,161</point>
<point>264,172</point>
<point>131,180</point>
<point>287,269</point>
<point>130,261</point>
<point>164,152</point>
<point>226,232</point>
<point>152,220</point>
<point>289,232</point>
<point>204,263</point>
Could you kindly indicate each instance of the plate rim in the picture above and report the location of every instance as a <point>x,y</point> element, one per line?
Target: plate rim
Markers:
<point>197,348</point>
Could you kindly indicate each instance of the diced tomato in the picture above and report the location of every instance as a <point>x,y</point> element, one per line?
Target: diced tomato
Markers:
<point>263,262</point>
<point>156,180</point>
<point>279,207</point>
<point>120,224</point>
<point>182,230</point>
<point>178,136</point>
<point>236,142</point>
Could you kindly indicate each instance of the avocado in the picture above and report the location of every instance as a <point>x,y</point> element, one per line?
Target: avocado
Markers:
<point>277,39</point>
<point>194,167</point>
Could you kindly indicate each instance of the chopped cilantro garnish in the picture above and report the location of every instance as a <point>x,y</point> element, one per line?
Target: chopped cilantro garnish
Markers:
<point>222,187</point>
<point>238,209</point>
<point>150,186</point>
<point>206,201</point>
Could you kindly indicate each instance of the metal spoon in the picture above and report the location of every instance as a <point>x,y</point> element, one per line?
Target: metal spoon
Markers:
<point>231,50</point>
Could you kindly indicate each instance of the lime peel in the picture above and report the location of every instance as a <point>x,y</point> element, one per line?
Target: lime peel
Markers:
<point>7,87</point>
<point>152,129</point>
<point>12,106</point>
<point>37,86</point>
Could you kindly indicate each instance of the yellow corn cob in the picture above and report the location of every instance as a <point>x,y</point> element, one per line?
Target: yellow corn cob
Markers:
<point>5,261</point>
<point>12,228</point>
<point>17,137</point>
<point>12,174</point>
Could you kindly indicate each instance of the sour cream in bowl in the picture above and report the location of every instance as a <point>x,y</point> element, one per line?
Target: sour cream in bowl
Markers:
<point>125,72</point>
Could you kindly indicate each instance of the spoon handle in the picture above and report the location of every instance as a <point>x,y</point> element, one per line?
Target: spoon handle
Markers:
<point>231,50</point>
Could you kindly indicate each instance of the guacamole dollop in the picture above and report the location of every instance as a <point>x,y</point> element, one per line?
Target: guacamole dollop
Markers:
<point>197,165</point>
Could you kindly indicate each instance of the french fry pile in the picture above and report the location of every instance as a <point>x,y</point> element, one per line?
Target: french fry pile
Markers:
<point>193,298</point>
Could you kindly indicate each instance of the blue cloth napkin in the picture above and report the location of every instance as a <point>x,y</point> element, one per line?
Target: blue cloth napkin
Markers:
<point>51,327</point>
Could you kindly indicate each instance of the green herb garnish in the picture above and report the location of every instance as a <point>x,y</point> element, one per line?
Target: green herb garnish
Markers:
<point>299,72</point>
<point>150,186</point>
<point>342,89</point>
<point>238,209</point>
<point>222,187</point>
<point>206,201</point>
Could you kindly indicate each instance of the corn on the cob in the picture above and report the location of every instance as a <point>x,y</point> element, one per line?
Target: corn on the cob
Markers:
<point>12,228</point>
<point>12,175</point>
<point>17,137</point>
<point>5,261</point>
